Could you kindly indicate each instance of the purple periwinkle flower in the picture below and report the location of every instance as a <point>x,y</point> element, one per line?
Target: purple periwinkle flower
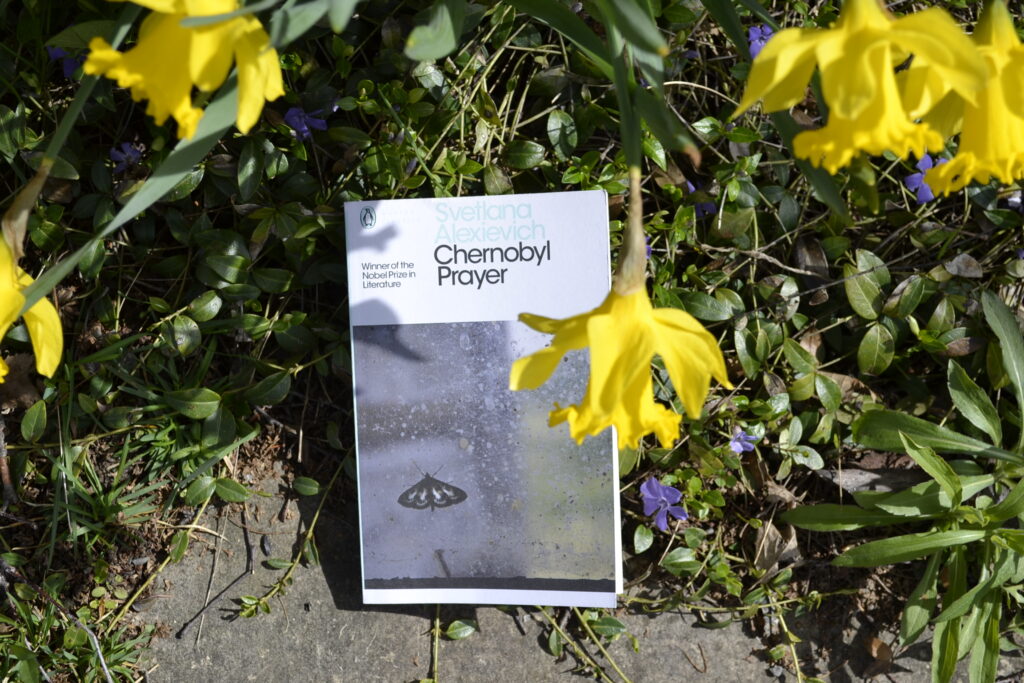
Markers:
<point>660,501</point>
<point>701,209</point>
<point>127,156</point>
<point>647,243</point>
<point>302,123</point>
<point>1020,253</point>
<point>757,36</point>
<point>742,442</point>
<point>68,63</point>
<point>915,182</point>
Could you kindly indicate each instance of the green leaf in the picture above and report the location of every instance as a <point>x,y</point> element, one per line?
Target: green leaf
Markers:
<point>524,154</point>
<point>937,468</point>
<point>439,36</point>
<point>863,294</point>
<point>305,486</point>
<point>799,358</point>
<point>339,12</point>
<point>33,423</point>
<point>944,647</point>
<point>828,392</point>
<point>496,181</point>
<point>832,517</point>
<point>921,603</point>
<point>643,537</point>
<point>985,653</point>
<point>197,404</point>
<point>973,403</point>
<point>680,561</point>
<point>907,296</point>
<point>278,563</point>
<point>461,628</point>
<point>231,491</point>
<point>1004,323</point>
<point>608,627</point>
<point>270,390</point>
<point>907,547</point>
<point>876,350</point>
<point>205,307</point>
<point>179,544</point>
<point>250,169</point>
<point>562,133</point>
<point>703,306</point>
<point>879,429</point>
<point>1010,506</point>
<point>636,25</point>
<point>200,490</point>
<point>293,20</point>
<point>555,644</point>
<point>273,280</point>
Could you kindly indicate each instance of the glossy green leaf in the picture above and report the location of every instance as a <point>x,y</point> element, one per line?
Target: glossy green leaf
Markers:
<point>339,12</point>
<point>524,154</point>
<point>270,390</point>
<point>33,422</point>
<point>828,392</point>
<point>205,307</point>
<point>200,490</point>
<point>973,403</point>
<point>703,306</point>
<point>863,294</point>
<point>305,486</point>
<point>876,350</point>
<point>250,169</point>
<point>907,547</point>
<point>643,537</point>
<point>562,133</point>
<point>292,20</point>
<point>461,628</point>
<point>799,358</point>
<point>231,491</point>
<point>197,404</point>
<point>681,561</point>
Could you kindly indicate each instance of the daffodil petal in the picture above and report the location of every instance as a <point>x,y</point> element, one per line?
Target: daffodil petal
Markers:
<point>937,41</point>
<point>259,76</point>
<point>780,73</point>
<point>208,61</point>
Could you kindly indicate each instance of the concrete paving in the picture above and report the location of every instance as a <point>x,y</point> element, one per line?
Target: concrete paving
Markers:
<point>319,630</point>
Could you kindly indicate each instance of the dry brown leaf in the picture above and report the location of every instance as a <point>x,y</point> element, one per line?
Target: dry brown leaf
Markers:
<point>15,220</point>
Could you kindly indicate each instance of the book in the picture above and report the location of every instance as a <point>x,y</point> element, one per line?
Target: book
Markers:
<point>466,495</point>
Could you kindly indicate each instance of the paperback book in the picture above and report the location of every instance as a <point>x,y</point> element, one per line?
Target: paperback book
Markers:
<point>466,495</point>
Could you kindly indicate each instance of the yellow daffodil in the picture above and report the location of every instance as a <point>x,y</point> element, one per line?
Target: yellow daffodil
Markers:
<point>41,319</point>
<point>992,137</point>
<point>168,60</point>
<point>624,333</point>
<point>856,58</point>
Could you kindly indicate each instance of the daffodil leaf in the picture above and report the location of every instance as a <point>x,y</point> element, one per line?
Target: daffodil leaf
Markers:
<point>906,547</point>
<point>636,25</point>
<point>565,21</point>
<point>879,429</point>
<point>207,19</point>
<point>339,12</point>
<point>289,23</point>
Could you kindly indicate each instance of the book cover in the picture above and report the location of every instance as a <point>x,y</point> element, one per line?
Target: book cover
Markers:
<point>465,494</point>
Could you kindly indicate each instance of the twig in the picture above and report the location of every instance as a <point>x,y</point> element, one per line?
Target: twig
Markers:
<point>703,660</point>
<point>249,563</point>
<point>435,643</point>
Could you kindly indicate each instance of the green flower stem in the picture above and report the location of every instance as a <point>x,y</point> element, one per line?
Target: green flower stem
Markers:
<point>597,642</point>
<point>577,650</point>
<point>631,273</point>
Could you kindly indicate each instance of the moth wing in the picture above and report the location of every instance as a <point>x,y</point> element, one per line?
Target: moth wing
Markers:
<point>417,496</point>
<point>446,494</point>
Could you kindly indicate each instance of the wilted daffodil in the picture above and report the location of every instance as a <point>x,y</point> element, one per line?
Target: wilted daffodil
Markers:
<point>624,333</point>
<point>168,60</point>
<point>856,57</point>
<point>992,130</point>
<point>41,320</point>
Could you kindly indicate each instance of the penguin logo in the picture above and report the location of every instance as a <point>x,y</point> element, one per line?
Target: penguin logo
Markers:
<point>367,217</point>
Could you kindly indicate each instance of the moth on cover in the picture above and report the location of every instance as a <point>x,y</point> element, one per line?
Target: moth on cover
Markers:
<point>431,493</point>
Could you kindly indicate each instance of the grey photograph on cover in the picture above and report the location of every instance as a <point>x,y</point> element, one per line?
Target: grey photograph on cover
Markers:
<point>462,483</point>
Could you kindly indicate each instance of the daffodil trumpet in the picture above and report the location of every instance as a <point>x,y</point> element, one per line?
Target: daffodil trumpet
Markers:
<point>624,333</point>
<point>856,58</point>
